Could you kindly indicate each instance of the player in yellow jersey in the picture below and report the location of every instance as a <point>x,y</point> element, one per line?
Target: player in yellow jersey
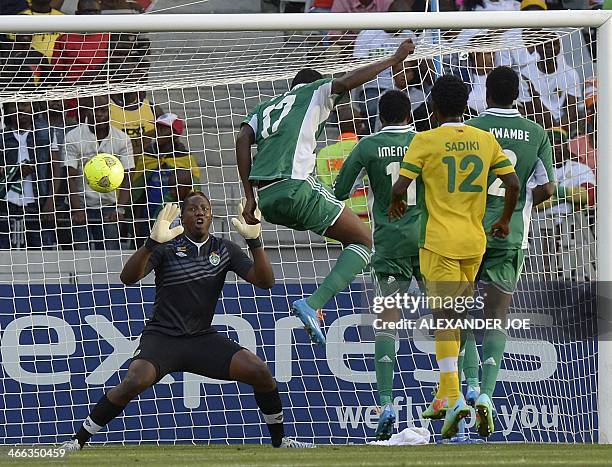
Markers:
<point>451,164</point>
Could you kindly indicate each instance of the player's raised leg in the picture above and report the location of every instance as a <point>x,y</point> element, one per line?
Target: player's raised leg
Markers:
<point>356,237</point>
<point>248,368</point>
<point>140,376</point>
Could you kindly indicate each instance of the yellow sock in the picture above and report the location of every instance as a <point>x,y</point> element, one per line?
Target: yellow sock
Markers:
<point>447,352</point>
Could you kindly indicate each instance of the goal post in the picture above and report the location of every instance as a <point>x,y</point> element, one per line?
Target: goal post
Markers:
<point>70,328</point>
<point>604,247</point>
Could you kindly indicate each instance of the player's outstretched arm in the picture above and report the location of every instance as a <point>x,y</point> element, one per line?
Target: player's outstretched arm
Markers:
<point>364,74</point>
<point>543,192</point>
<point>261,274</point>
<point>136,267</point>
<point>244,141</point>
<point>501,228</point>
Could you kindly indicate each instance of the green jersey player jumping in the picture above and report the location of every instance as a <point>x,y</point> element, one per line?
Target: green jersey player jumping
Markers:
<point>527,145</point>
<point>396,242</point>
<point>285,130</point>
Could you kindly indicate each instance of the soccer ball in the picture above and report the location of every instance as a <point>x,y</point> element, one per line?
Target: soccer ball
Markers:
<point>104,173</point>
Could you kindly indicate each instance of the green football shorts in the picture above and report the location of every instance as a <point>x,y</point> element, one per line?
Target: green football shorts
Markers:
<point>300,204</point>
<point>394,275</point>
<point>502,268</point>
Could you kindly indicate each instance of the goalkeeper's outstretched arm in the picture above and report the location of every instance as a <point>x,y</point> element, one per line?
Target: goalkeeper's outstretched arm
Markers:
<point>261,273</point>
<point>136,267</point>
<point>364,74</point>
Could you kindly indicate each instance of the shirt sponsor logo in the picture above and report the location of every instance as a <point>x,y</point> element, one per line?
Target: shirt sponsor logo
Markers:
<point>214,259</point>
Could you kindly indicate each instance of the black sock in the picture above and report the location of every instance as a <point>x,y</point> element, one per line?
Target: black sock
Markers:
<point>272,408</point>
<point>102,413</point>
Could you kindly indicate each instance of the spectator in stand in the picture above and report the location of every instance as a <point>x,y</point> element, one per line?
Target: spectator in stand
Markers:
<point>374,44</point>
<point>582,146</point>
<point>356,6</point>
<point>21,65</point>
<point>165,173</point>
<point>481,63</point>
<point>134,114</point>
<point>554,87</point>
<point>331,158</point>
<point>99,211</point>
<point>521,56</point>
<point>24,176</point>
<point>416,79</point>
<point>43,43</point>
<point>575,196</point>
<point>128,59</point>
<point>81,57</point>
<point>56,204</point>
<point>321,6</point>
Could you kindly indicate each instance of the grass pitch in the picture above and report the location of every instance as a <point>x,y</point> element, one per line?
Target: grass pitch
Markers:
<point>323,456</point>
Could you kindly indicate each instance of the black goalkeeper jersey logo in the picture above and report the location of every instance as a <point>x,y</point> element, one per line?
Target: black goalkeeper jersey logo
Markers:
<point>214,258</point>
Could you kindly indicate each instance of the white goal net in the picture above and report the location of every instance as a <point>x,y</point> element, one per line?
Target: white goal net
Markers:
<point>68,327</point>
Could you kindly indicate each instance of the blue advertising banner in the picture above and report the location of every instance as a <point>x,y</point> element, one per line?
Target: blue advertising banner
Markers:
<point>62,346</point>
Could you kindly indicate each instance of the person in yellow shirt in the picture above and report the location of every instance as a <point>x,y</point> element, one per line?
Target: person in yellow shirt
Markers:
<point>331,158</point>
<point>451,164</point>
<point>43,43</point>
<point>134,114</point>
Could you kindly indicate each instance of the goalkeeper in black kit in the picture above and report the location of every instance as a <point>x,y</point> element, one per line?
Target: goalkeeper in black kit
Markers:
<point>190,268</point>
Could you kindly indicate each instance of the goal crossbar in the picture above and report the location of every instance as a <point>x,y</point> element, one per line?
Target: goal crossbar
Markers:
<point>302,21</point>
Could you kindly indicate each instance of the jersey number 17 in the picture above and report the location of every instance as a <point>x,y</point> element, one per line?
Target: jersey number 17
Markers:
<point>393,169</point>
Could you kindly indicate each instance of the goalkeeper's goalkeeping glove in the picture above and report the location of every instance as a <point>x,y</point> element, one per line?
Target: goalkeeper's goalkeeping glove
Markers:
<point>251,233</point>
<point>161,231</point>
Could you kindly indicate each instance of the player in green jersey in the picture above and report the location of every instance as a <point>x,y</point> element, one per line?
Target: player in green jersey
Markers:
<point>285,130</point>
<point>396,243</point>
<point>527,146</point>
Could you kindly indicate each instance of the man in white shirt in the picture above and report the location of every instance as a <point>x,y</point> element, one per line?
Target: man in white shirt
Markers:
<point>24,177</point>
<point>554,87</point>
<point>101,212</point>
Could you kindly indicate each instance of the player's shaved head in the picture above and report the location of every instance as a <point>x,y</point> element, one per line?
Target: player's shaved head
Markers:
<point>305,76</point>
<point>502,87</point>
<point>394,108</point>
<point>450,96</point>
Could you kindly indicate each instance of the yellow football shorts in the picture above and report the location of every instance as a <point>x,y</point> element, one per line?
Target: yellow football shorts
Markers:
<point>448,277</point>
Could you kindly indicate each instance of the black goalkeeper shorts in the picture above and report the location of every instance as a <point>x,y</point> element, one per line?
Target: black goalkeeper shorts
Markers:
<point>205,355</point>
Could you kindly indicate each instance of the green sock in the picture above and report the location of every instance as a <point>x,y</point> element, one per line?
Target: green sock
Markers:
<point>384,362</point>
<point>493,346</point>
<point>351,262</point>
<point>470,359</point>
